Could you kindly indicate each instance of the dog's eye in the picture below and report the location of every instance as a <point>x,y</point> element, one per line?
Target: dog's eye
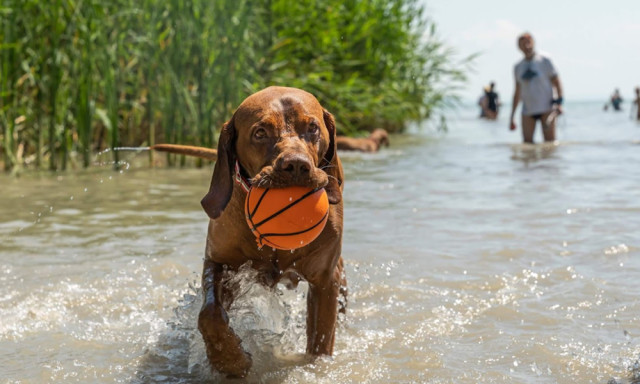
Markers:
<point>313,129</point>
<point>260,134</point>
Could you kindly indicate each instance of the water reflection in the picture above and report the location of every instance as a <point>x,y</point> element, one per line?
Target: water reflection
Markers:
<point>531,153</point>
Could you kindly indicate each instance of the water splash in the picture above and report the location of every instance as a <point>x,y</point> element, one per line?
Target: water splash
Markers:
<point>271,323</point>
<point>119,163</point>
<point>133,149</point>
<point>137,149</point>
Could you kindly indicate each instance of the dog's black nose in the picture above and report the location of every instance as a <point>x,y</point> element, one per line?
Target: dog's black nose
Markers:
<point>295,164</point>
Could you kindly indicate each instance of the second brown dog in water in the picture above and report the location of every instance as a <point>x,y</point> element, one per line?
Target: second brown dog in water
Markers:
<point>277,137</point>
<point>376,139</point>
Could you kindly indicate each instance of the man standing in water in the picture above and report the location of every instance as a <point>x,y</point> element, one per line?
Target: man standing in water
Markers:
<point>536,78</point>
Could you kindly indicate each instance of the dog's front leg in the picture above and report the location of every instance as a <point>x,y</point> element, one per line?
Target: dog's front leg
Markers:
<point>344,291</point>
<point>322,312</point>
<point>223,346</point>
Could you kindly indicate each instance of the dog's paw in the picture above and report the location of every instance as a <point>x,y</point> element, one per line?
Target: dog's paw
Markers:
<point>240,367</point>
<point>222,344</point>
<point>233,362</point>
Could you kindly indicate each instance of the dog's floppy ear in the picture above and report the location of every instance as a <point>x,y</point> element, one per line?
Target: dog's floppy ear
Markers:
<point>331,163</point>
<point>221,186</point>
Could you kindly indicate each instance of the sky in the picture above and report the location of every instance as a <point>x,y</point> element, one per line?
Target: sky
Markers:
<point>594,45</point>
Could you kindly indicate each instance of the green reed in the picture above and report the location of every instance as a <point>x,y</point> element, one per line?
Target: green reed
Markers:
<point>81,76</point>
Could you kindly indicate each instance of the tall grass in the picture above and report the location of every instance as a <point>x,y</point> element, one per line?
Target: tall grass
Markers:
<point>81,76</point>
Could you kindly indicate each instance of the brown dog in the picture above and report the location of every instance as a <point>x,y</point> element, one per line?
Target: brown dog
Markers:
<point>376,139</point>
<point>277,137</point>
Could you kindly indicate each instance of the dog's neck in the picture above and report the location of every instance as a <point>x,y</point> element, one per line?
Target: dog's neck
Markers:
<point>240,179</point>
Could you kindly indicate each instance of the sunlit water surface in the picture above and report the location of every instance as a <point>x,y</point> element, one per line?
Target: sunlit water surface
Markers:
<point>470,259</point>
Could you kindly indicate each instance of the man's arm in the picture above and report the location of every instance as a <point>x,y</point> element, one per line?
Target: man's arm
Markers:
<point>555,81</point>
<point>514,105</point>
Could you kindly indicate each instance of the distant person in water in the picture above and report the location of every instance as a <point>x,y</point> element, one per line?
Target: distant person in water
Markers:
<point>482,102</point>
<point>489,103</point>
<point>536,81</point>
<point>616,100</point>
<point>636,103</point>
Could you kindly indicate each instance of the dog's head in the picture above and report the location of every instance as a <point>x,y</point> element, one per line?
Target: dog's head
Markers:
<point>380,136</point>
<point>280,137</point>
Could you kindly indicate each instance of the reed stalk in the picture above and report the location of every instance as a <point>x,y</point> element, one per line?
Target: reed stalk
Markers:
<point>7,94</point>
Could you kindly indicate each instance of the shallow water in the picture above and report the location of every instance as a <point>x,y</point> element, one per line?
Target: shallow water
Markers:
<point>471,259</point>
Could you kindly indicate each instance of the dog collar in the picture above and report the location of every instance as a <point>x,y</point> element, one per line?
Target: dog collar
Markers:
<point>241,180</point>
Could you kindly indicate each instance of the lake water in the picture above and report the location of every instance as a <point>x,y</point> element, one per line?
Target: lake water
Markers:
<point>471,258</point>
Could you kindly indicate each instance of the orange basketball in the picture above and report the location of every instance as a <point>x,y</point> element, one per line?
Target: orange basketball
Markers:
<point>286,218</point>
